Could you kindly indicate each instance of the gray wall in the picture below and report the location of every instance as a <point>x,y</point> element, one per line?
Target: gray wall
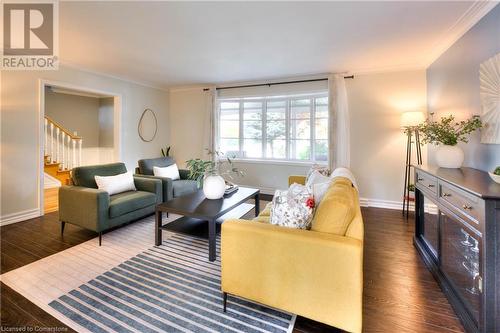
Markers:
<point>106,122</point>
<point>75,113</point>
<point>453,85</point>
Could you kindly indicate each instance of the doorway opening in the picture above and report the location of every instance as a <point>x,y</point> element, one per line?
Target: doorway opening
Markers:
<point>79,126</point>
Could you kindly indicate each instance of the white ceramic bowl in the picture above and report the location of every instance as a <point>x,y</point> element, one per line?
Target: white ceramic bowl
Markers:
<point>496,178</point>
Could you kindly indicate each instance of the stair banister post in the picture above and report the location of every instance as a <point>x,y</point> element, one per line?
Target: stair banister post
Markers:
<point>63,157</point>
<point>80,152</point>
<point>52,142</point>
<point>58,156</point>
<point>68,151</point>
<point>73,162</point>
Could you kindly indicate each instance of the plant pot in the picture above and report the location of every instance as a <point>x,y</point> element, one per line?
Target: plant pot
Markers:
<point>214,186</point>
<point>449,156</point>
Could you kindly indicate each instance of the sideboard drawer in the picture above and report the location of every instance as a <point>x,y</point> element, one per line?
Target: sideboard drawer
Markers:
<point>468,205</point>
<point>427,181</point>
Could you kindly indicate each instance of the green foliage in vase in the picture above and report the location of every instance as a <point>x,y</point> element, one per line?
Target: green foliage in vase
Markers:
<point>497,171</point>
<point>221,165</point>
<point>448,131</point>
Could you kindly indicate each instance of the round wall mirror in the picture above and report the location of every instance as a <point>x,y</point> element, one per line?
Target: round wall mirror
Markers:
<point>148,125</point>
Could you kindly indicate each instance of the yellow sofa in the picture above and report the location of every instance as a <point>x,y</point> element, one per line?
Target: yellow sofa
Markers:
<point>315,273</point>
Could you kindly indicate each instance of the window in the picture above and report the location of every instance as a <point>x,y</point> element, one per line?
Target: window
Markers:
<point>293,128</point>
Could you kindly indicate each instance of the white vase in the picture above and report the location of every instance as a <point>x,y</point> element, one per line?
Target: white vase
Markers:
<point>449,156</point>
<point>214,186</point>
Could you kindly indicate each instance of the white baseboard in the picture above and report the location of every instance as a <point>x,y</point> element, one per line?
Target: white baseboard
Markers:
<point>20,216</point>
<point>388,204</point>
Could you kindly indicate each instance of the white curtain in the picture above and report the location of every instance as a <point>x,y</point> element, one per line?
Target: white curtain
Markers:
<point>339,149</point>
<point>211,122</point>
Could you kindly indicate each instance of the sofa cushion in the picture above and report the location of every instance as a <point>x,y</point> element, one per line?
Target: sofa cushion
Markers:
<point>146,165</point>
<point>126,202</point>
<point>183,187</point>
<point>85,175</point>
<point>337,209</point>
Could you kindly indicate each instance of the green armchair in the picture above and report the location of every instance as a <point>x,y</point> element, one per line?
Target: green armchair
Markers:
<point>84,205</point>
<point>171,188</point>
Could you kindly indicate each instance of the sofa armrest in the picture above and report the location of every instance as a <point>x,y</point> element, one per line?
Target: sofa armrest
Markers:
<point>83,206</point>
<point>296,179</point>
<point>167,185</point>
<point>184,173</point>
<point>313,274</point>
<point>150,185</point>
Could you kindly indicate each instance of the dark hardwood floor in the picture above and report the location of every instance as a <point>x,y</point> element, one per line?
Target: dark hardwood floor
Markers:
<point>400,295</point>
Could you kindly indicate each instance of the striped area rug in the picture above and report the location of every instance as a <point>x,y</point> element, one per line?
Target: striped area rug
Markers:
<point>167,288</point>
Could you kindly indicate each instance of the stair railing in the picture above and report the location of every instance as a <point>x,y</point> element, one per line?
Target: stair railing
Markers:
<point>62,146</point>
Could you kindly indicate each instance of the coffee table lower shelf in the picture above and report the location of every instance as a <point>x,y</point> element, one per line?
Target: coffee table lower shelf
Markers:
<point>191,226</point>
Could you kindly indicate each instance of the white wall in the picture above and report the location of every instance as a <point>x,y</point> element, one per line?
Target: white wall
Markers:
<point>376,102</point>
<point>20,129</point>
<point>453,85</point>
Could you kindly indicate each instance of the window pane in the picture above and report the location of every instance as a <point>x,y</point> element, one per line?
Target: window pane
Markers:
<point>300,109</point>
<point>321,150</point>
<point>229,129</point>
<point>229,105</point>
<point>275,129</point>
<point>229,147</point>
<point>321,129</point>
<point>300,149</point>
<point>230,114</point>
<point>276,104</point>
<point>321,111</point>
<point>321,101</point>
<point>276,148</point>
<point>300,129</point>
<point>276,113</point>
<point>252,148</point>
<point>252,129</point>
<point>252,110</point>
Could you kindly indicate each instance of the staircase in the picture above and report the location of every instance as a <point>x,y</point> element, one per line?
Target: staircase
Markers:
<point>63,151</point>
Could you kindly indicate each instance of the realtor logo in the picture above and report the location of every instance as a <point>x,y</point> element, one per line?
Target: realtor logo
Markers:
<point>30,36</point>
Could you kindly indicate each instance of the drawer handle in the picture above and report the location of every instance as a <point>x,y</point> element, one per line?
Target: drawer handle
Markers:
<point>446,194</point>
<point>467,207</point>
<point>430,185</point>
<point>420,179</point>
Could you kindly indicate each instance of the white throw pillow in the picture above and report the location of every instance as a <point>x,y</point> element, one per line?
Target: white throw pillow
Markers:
<point>318,185</point>
<point>116,184</point>
<point>346,173</point>
<point>172,172</point>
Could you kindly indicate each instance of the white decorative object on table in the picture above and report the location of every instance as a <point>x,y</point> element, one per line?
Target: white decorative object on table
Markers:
<point>496,178</point>
<point>449,156</point>
<point>489,92</point>
<point>214,186</point>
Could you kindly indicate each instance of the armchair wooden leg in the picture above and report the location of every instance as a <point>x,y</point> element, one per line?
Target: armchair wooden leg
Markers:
<point>100,238</point>
<point>224,295</point>
<point>63,224</point>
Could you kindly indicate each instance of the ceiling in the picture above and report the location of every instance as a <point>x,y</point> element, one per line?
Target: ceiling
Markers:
<point>168,44</point>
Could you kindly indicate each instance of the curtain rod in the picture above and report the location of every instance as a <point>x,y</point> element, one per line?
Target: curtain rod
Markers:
<point>275,83</point>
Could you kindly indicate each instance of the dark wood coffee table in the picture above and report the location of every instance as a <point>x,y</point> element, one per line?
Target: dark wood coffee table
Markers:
<point>196,208</point>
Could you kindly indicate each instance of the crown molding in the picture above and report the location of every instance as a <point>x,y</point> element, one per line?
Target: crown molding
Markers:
<point>70,65</point>
<point>464,23</point>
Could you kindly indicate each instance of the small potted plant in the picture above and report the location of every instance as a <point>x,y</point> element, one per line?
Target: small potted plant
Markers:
<point>210,173</point>
<point>495,175</point>
<point>446,134</point>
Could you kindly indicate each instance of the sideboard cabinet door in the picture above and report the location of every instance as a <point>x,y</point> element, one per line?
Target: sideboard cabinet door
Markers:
<point>430,226</point>
<point>460,261</point>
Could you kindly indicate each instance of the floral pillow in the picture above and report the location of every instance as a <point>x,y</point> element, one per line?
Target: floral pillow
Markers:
<point>293,208</point>
<point>319,168</point>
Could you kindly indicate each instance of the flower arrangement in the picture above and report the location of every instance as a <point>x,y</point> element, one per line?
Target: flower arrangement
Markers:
<point>447,131</point>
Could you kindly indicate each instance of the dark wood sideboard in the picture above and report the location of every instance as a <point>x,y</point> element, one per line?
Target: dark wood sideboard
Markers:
<point>457,233</point>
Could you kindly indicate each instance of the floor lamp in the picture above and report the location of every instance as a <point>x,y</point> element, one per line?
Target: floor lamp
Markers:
<point>409,122</point>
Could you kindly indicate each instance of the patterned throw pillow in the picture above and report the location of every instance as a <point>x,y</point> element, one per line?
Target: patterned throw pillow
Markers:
<point>319,168</point>
<point>293,208</point>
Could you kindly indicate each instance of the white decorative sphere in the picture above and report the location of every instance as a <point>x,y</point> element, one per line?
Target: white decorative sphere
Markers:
<point>214,187</point>
<point>449,156</point>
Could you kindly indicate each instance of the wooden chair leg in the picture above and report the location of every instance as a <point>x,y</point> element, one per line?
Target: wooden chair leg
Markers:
<point>63,224</point>
<point>224,295</point>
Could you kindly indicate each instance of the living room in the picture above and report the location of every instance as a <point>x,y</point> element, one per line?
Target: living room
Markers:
<point>270,166</point>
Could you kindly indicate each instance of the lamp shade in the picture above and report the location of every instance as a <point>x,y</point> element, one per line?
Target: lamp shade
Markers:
<point>412,118</point>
